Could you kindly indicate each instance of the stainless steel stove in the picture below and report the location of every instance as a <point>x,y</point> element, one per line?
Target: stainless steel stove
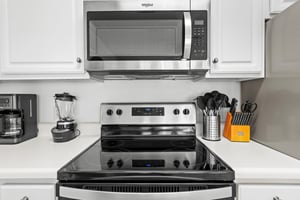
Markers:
<point>147,152</point>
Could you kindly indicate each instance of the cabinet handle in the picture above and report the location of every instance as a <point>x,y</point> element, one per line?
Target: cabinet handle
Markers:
<point>215,60</point>
<point>276,198</point>
<point>78,60</point>
<point>25,198</point>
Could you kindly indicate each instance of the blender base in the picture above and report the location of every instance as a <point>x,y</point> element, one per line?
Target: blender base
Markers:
<point>64,135</point>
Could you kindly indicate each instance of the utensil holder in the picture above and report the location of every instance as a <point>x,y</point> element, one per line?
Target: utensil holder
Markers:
<point>211,128</point>
<point>236,133</point>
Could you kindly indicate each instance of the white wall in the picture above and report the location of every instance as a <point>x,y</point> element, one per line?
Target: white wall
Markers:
<point>91,93</point>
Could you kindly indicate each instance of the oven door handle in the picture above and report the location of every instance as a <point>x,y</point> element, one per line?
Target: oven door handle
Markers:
<point>83,194</point>
<point>188,35</point>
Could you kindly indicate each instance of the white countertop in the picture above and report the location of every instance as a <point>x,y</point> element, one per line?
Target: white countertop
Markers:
<point>41,158</point>
<point>256,163</point>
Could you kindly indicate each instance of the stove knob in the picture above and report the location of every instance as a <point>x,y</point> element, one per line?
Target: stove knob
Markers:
<point>176,163</point>
<point>110,163</point>
<point>119,112</point>
<point>186,163</point>
<point>120,163</point>
<point>109,112</point>
<point>186,111</point>
<point>176,111</point>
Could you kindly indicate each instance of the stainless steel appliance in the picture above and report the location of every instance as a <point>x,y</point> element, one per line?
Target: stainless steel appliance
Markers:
<point>18,118</point>
<point>277,116</point>
<point>147,152</point>
<point>148,40</point>
<point>66,127</point>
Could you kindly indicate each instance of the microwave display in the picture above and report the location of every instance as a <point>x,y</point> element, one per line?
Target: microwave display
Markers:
<point>199,22</point>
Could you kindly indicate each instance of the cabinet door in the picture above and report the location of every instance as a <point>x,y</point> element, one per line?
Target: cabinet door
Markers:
<point>268,192</point>
<point>277,6</point>
<point>41,36</point>
<point>27,192</point>
<point>237,38</point>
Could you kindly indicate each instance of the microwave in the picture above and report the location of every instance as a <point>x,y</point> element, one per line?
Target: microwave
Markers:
<point>165,39</point>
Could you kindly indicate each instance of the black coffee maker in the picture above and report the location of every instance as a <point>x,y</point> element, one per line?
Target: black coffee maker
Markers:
<point>18,118</point>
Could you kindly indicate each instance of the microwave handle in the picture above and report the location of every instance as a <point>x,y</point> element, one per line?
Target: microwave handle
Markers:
<point>187,35</point>
<point>83,194</point>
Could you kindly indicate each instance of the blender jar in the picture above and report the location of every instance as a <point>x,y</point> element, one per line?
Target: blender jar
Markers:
<point>65,106</point>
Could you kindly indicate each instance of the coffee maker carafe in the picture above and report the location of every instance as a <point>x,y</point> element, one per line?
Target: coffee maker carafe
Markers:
<point>11,123</point>
<point>18,118</point>
<point>66,126</point>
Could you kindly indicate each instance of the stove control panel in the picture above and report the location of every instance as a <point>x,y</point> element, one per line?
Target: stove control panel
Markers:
<point>148,160</point>
<point>151,113</point>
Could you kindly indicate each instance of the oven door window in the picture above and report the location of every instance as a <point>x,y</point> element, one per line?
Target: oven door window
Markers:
<point>135,35</point>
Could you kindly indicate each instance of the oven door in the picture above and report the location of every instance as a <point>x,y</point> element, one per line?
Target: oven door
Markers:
<point>142,191</point>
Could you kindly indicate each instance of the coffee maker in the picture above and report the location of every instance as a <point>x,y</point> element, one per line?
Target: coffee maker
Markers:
<point>18,118</point>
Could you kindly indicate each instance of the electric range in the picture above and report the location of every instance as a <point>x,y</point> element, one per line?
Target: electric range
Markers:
<point>147,151</point>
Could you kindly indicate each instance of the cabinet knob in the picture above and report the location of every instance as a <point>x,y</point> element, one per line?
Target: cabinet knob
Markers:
<point>276,198</point>
<point>215,60</point>
<point>25,198</point>
<point>78,60</point>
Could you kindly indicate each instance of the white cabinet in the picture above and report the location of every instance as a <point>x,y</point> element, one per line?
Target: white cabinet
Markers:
<point>41,37</point>
<point>237,38</point>
<point>268,192</point>
<point>27,192</point>
<point>277,6</point>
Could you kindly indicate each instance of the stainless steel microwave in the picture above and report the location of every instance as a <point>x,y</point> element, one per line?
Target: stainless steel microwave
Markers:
<point>146,39</point>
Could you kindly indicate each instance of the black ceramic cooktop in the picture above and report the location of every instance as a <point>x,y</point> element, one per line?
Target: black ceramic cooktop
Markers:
<point>191,164</point>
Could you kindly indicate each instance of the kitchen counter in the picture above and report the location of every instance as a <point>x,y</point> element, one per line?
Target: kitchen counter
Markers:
<point>256,163</point>
<point>41,158</point>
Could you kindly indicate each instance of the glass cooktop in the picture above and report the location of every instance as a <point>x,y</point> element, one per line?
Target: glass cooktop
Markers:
<point>193,163</point>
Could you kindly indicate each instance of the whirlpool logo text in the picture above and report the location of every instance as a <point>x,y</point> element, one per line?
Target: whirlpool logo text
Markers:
<point>147,5</point>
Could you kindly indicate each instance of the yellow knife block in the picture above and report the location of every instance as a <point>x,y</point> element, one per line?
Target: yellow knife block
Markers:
<point>236,133</point>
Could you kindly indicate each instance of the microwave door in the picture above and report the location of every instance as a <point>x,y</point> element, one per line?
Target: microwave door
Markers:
<point>138,40</point>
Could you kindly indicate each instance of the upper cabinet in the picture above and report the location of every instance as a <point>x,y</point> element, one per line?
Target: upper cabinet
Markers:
<point>41,38</point>
<point>277,6</point>
<point>237,39</point>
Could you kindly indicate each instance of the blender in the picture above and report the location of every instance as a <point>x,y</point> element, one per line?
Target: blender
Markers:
<point>66,126</point>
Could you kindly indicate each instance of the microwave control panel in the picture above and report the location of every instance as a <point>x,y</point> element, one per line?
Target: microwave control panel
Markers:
<point>199,35</point>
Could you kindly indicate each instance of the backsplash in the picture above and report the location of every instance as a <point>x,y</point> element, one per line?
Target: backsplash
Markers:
<point>91,93</point>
